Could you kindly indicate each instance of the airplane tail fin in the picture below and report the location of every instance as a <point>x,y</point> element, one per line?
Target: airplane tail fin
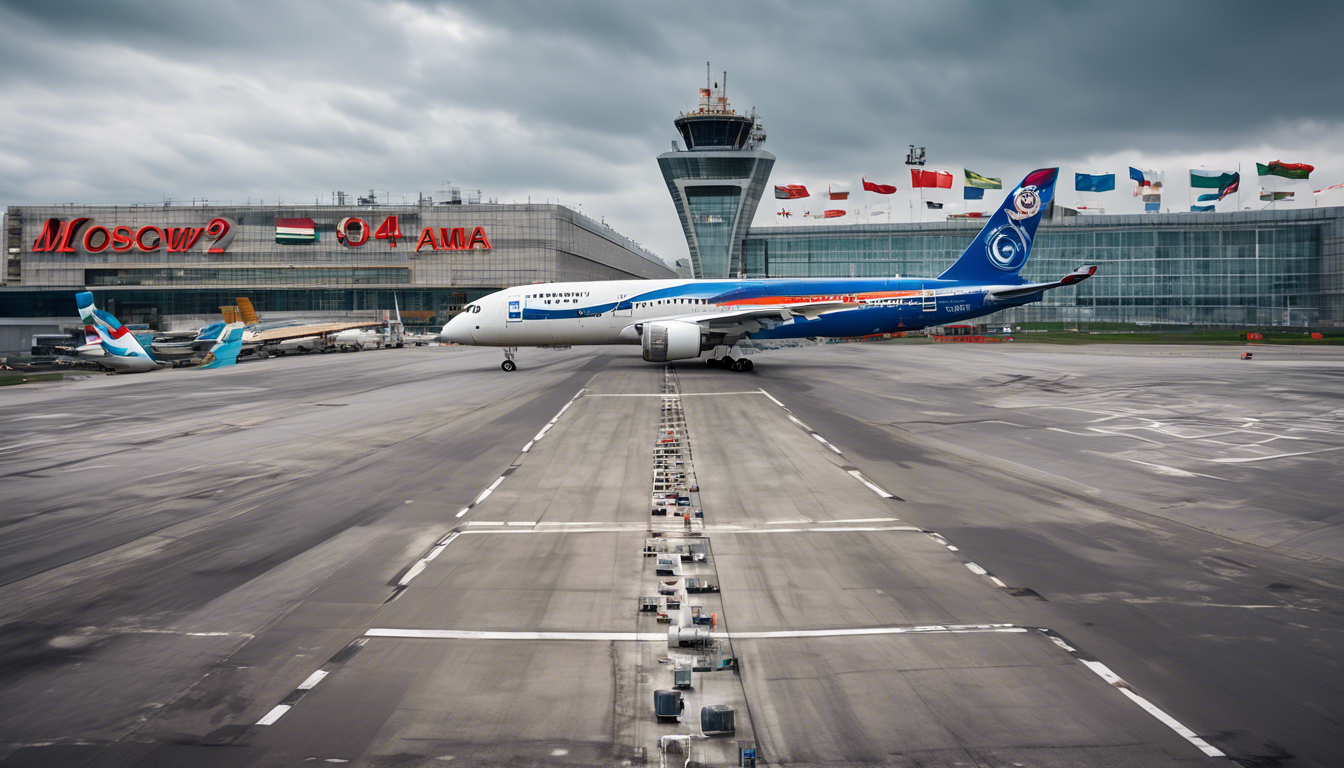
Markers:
<point>1001,249</point>
<point>115,338</point>
<point>250,315</point>
<point>231,314</point>
<point>226,348</point>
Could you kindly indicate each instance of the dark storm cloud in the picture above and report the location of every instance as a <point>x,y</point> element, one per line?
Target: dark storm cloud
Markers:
<point>121,102</point>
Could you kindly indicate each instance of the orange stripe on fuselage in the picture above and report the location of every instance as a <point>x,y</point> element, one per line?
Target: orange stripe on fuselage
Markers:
<point>850,297</point>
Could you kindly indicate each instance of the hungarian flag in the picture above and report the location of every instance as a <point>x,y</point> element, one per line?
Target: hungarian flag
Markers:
<point>295,231</point>
<point>834,214</point>
<point>791,192</point>
<point>932,205</point>
<point>1269,196</point>
<point>881,189</point>
<point>930,179</point>
<point>1286,170</point>
<point>974,179</point>
<point>1146,181</point>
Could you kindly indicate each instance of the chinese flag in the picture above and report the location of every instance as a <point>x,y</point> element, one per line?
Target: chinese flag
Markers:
<point>930,179</point>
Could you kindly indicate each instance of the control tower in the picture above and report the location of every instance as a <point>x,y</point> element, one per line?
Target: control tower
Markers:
<point>717,181</point>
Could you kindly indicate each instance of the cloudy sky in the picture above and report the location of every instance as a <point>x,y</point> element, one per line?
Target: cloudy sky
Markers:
<point>119,102</point>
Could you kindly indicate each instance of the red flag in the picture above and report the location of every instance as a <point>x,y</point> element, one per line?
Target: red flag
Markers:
<point>833,214</point>
<point>881,189</point>
<point>791,192</point>
<point>930,179</point>
<point>837,195</point>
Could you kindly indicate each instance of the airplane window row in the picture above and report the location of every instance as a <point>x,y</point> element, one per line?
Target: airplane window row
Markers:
<point>671,301</point>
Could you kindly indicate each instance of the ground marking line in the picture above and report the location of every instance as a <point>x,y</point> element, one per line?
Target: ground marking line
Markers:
<point>313,680</point>
<point>626,528</point>
<point>772,398</point>
<point>275,714</point>
<point>977,570</point>
<point>998,582</point>
<point>472,634</point>
<point>419,565</point>
<point>674,397</point>
<point>528,447</point>
<point>463,511</point>
<point>871,485</point>
<point>1115,681</point>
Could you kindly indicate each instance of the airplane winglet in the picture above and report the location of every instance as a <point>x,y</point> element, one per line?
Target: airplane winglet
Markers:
<point>1073,278</point>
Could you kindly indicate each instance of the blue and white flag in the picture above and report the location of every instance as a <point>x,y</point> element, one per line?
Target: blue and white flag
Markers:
<point>1087,182</point>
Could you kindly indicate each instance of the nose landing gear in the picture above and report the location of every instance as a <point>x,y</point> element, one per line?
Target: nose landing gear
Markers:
<point>508,365</point>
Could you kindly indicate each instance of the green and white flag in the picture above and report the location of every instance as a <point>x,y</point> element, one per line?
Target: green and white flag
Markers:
<point>1205,179</point>
<point>1270,196</point>
<point>974,179</point>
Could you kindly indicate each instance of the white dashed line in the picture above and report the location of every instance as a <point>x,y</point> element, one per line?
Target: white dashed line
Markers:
<point>871,485</point>
<point>997,582</point>
<point>463,511</point>
<point>977,570</point>
<point>275,714</point>
<point>528,447</point>
<point>772,398</point>
<point>1114,680</point>
<point>313,680</point>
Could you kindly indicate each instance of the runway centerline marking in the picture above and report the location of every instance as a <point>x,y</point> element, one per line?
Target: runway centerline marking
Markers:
<point>649,637</point>
<point>275,714</point>
<point>871,485</point>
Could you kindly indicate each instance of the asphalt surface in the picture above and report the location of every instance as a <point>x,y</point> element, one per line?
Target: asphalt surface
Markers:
<point>928,555</point>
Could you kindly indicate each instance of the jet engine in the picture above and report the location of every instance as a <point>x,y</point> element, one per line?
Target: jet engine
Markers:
<point>670,340</point>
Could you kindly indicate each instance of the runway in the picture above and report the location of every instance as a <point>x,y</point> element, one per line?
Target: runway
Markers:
<point>926,555</point>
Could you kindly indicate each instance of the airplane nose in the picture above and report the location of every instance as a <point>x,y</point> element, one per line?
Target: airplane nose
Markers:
<point>456,331</point>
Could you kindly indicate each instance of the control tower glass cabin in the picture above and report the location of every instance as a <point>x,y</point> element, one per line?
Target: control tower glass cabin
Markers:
<point>717,181</point>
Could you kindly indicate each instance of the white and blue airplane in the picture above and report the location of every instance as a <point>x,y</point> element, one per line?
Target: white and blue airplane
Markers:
<point>122,352</point>
<point>683,319</point>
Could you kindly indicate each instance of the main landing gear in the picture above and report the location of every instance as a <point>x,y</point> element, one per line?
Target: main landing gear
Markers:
<point>740,365</point>
<point>508,365</point>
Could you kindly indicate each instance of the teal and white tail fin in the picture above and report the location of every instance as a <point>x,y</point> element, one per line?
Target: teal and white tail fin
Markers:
<point>226,348</point>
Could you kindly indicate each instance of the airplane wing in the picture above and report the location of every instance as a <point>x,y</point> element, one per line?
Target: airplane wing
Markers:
<point>300,331</point>
<point>1076,276</point>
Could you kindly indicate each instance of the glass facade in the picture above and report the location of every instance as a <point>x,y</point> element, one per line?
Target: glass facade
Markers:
<point>716,193</point>
<point>515,245</point>
<point>1282,267</point>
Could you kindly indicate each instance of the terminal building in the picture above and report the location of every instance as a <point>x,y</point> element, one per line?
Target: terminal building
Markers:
<point>1258,268</point>
<point>149,263</point>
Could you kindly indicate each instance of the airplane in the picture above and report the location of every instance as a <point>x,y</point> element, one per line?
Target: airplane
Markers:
<point>262,338</point>
<point>122,352</point>
<point>682,319</point>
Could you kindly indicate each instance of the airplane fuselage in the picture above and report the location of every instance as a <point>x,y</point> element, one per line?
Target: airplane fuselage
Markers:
<point>607,312</point>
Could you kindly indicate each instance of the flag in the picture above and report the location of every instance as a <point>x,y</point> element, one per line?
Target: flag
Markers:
<point>295,231</point>
<point>1201,208</point>
<point>1145,180</point>
<point>932,205</point>
<point>1157,198</point>
<point>974,179</point>
<point>1329,188</point>
<point>834,214</point>
<point>930,179</point>
<point>1226,182</point>
<point>1152,207</point>
<point>1269,195</point>
<point>784,213</point>
<point>1086,182</point>
<point>1202,179</point>
<point>881,189</point>
<point>837,194</point>
<point>791,192</point>
<point>880,209</point>
<point>973,193</point>
<point>1286,170</point>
